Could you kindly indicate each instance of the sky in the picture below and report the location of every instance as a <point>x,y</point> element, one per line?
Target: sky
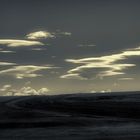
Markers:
<point>69,46</point>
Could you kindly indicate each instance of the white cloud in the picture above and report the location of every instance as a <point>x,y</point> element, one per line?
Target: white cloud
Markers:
<point>45,34</point>
<point>108,65</point>
<point>13,43</point>
<point>40,35</point>
<point>86,45</point>
<point>25,91</point>
<point>24,71</point>
<point>19,43</point>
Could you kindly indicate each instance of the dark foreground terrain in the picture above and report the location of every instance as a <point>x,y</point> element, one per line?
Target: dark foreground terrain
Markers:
<point>108,116</point>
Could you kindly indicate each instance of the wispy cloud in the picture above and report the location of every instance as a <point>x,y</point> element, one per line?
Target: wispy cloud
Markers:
<point>24,71</point>
<point>63,33</point>
<point>6,64</point>
<point>73,76</point>
<point>126,79</point>
<point>38,49</point>
<point>19,43</point>
<point>3,51</point>
<point>108,65</point>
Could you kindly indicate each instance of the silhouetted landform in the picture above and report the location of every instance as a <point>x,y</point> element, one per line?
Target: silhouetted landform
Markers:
<point>127,106</point>
<point>119,113</point>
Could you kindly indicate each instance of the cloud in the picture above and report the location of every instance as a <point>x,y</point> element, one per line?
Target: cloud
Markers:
<point>73,76</point>
<point>38,49</point>
<point>28,83</point>
<point>109,65</point>
<point>5,88</point>
<point>86,45</point>
<point>31,91</point>
<point>30,39</point>
<point>43,90</point>
<point>24,71</point>
<point>6,51</point>
<point>40,35</point>
<point>45,34</point>
<point>105,91</point>
<point>8,90</point>
<point>93,91</point>
<point>65,33</point>
<point>25,91</point>
<point>19,43</point>
<point>128,78</point>
<point>6,64</point>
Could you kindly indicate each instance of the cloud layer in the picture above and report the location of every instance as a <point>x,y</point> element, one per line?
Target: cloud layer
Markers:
<point>103,66</point>
<point>24,71</point>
